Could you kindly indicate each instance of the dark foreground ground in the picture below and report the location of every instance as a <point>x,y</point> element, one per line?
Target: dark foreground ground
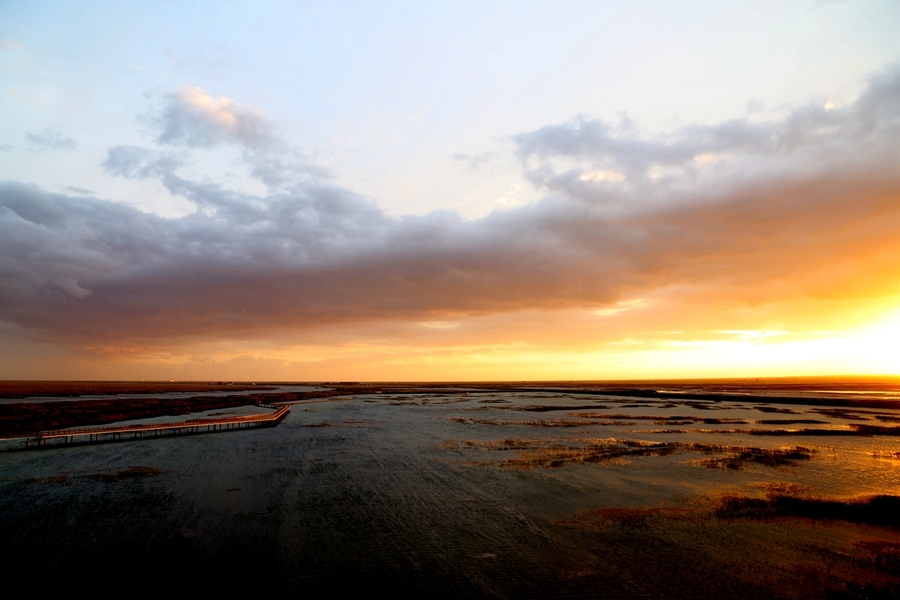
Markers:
<point>502,492</point>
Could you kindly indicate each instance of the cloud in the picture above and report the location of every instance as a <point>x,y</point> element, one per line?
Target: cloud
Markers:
<point>135,162</point>
<point>507,197</point>
<point>620,307</point>
<point>441,324</point>
<point>475,161</point>
<point>51,139</point>
<point>575,156</point>
<point>78,190</point>
<point>193,118</point>
<point>777,225</point>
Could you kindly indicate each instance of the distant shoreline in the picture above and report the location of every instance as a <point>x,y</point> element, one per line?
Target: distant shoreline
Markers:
<point>71,410</point>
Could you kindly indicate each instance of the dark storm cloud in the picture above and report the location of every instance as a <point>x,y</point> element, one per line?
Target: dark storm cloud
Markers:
<point>51,139</point>
<point>99,273</point>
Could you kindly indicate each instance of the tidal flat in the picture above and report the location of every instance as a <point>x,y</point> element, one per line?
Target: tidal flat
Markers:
<point>495,491</point>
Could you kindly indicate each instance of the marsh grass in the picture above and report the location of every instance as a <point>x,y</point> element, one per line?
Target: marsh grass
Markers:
<point>541,423</point>
<point>886,454</point>
<point>556,453</point>
<point>871,510</point>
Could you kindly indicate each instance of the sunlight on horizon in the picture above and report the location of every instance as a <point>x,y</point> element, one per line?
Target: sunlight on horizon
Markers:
<point>870,349</point>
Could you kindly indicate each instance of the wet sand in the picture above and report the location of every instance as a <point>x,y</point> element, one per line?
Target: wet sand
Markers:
<point>479,492</point>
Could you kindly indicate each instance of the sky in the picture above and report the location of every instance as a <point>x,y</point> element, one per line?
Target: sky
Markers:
<point>449,191</point>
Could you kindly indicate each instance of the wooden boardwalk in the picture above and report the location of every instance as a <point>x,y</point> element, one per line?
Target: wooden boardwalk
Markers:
<point>110,433</point>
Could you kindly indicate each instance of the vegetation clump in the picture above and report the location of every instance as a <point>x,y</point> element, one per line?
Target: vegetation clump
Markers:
<point>870,510</point>
<point>555,453</point>
<point>762,456</point>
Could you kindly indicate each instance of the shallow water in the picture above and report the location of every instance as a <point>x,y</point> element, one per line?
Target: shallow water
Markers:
<point>415,494</point>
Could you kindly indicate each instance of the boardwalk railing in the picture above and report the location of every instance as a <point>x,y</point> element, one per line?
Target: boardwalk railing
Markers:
<point>119,432</point>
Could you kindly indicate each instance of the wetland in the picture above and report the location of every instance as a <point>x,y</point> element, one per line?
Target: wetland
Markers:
<point>701,490</point>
